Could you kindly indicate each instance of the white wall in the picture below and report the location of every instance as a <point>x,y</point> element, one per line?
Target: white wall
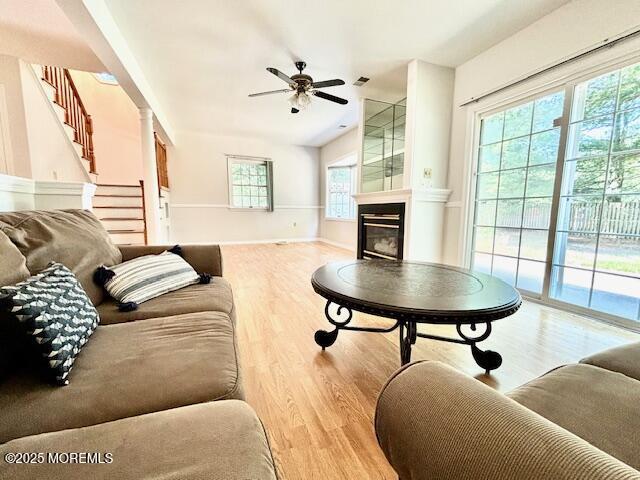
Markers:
<point>339,232</point>
<point>116,130</point>
<point>571,29</point>
<point>200,210</point>
<point>19,193</point>
<point>36,142</point>
<point>17,133</point>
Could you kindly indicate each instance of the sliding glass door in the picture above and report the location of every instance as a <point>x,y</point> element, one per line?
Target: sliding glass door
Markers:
<point>594,263</point>
<point>516,171</point>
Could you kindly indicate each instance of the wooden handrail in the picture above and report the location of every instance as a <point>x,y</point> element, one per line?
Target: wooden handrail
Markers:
<point>144,211</point>
<point>76,115</point>
<point>161,162</point>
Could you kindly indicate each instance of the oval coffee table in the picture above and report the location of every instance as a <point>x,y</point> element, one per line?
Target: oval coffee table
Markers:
<point>411,293</point>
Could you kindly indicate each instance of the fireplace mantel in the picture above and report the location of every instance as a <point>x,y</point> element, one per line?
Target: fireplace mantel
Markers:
<point>439,195</point>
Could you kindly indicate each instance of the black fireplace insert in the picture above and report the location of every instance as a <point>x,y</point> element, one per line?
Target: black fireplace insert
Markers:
<point>381,231</point>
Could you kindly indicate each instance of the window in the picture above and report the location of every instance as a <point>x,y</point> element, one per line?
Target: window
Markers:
<point>250,183</point>
<point>106,77</point>
<point>516,171</point>
<point>596,261</point>
<point>340,186</point>
<point>594,264</point>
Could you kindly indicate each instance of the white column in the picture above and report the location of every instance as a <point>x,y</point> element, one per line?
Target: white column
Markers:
<point>427,136</point>
<point>150,176</point>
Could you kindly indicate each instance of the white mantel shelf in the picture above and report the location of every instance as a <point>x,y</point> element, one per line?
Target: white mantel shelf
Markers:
<point>437,195</point>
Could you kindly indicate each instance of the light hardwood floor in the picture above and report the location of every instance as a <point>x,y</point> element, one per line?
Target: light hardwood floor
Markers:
<point>318,406</point>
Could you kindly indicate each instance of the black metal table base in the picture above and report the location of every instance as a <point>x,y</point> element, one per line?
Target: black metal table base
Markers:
<point>486,359</point>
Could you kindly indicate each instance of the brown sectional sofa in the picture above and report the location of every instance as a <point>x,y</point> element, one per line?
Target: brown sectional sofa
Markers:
<point>578,421</point>
<point>159,388</point>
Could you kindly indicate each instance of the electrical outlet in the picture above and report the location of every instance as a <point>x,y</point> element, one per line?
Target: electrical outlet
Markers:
<point>295,224</point>
<point>427,174</point>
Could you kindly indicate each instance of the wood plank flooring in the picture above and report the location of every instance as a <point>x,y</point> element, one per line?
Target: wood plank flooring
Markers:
<point>318,406</point>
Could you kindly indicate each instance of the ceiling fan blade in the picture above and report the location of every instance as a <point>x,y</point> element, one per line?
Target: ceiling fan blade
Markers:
<point>328,83</point>
<point>280,75</point>
<point>331,98</point>
<point>270,92</point>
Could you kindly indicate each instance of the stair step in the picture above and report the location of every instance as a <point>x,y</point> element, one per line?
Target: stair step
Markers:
<point>126,230</point>
<point>123,224</point>
<point>49,89</point>
<point>60,112</point>
<point>69,130</point>
<point>117,212</point>
<point>130,238</point>
<point>78,147</point>
<point>107,189</point>
<point>112,195</point>
<point>117,201</point>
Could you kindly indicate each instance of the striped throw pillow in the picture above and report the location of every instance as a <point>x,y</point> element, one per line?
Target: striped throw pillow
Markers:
<point>150,276</point>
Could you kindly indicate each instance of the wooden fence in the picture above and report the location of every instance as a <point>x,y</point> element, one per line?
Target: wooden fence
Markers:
<point>619,218</point>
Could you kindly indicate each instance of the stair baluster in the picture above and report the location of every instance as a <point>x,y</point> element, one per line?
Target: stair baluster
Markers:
<point>76,116</point>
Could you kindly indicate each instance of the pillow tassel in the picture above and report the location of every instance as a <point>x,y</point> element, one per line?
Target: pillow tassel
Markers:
<point>102,275</point>
<point>127,306</point>
<point>6,300</point>
<point>177,249</point>
<point>205,278</point>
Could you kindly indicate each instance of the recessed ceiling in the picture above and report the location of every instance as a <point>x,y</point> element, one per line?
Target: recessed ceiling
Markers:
<point>203,57</point>
<point>39,32</point>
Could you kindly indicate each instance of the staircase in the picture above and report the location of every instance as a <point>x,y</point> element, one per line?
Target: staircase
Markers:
<point>62,92</point>
<point>120,209</point>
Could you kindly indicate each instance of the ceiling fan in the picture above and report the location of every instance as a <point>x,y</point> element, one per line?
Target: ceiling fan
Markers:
<point>302,86</point>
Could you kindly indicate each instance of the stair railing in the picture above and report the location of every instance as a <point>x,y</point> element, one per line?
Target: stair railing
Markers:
<point>161,163</point>
<point>76,116</point>
<point>144,211</point>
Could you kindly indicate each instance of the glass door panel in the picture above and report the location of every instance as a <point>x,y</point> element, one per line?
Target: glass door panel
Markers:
<point>516,173</point>
<point>596,261</point>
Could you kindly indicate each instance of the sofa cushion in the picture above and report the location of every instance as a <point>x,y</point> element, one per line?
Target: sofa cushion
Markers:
<point>13,269</point>
<point>212,297</point>
<point>624,359</point>
<point>129,369</point>
<point>74,238</point>
<point>597,405</point>
<point>217,441</point>
<point>14,264</point>
<point>54,312</point>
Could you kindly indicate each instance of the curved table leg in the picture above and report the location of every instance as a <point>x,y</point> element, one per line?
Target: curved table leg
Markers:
<point>486,359</point>
<point>408,335</point>
<point>324,338</point>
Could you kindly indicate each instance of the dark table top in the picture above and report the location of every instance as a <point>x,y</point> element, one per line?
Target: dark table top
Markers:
<point>424,292</point>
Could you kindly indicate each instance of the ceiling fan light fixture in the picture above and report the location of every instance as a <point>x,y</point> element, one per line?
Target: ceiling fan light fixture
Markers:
<point>300,100</point>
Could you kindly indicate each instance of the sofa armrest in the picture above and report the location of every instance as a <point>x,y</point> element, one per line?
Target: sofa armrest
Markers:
<point>433,422</point>
<point>203,258</point>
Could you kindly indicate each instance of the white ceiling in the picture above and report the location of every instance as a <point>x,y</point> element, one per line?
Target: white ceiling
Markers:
<point>38,31</point>
<point>203,57</point>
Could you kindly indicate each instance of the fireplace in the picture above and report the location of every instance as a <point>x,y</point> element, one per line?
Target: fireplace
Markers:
<point>381,231</point>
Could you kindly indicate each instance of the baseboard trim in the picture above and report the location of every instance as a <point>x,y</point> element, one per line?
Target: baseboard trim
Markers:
<point>337,244</point>
<point>252,242</point>
<point>231,207</point>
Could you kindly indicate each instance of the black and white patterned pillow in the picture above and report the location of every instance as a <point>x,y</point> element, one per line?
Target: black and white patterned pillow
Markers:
<point>54,311</point>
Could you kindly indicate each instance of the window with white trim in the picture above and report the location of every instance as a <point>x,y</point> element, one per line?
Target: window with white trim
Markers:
<point>341,180</point>
<point>250,183</point>
<point>557,196</point>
